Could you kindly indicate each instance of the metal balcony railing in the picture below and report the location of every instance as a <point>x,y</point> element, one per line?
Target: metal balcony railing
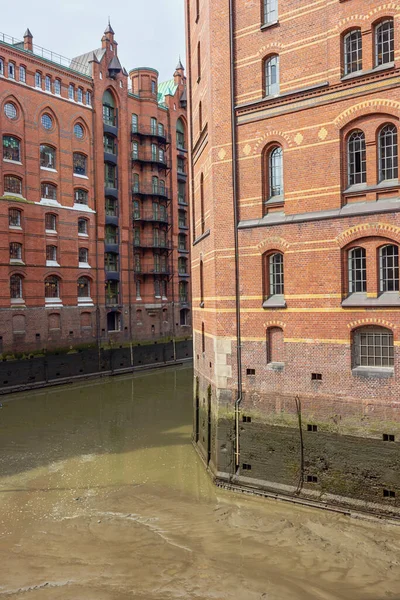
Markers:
<point>150,268</point>
<point>149,157</point>
<point>162,136</point>
<point>151,216</point>
<point>150,190</point>
<point>151,242</point>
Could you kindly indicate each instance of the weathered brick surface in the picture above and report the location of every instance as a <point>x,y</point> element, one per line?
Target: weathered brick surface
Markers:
<point>311,119</point>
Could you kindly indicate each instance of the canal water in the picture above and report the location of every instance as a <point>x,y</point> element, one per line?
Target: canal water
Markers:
<point>102,497</point>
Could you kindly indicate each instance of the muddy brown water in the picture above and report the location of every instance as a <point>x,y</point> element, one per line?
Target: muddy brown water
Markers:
<point>102,497</point>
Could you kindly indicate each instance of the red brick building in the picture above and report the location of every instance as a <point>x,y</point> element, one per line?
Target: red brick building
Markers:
<point>93,206</point>
<point>296,231</point>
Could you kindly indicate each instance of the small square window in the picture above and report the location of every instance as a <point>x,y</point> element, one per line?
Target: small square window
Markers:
<point>312,479</point>
<point>311,427</point>
<point>316,376</point>
<point>246,467</point>
<point>246,419</point>
<point>250,371</point>
<point>388,437</point>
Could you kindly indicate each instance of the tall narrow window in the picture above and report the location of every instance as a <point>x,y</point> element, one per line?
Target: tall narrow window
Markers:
<point>83,287</point>
<point>384,43</point>
<point>154,152</point>
<point>83,227</point>
<point>275,172</point>
<point>180,134</point>
<point>276,279</point>
<point>12,185</point>
<point>57,87</point>
<point>352,52</point>
<point>50,222</point>
<point>1,67</point>
<point>71,91</point>
<point>270,11</point>
<point>79,95</point>
<point>388,153</point>
<point>15,251</point>
<point>135,123</point>
<point>136,210</point>
<point>135,150</point>
<point>389,269</point>
<point>183,291</point>
<point>47,157</point>
<point>198,62</point>
<point>157,292</point>
<point>153,126</point>
<point>16,286</point>
<point>11,70</point>
<point>135,183</point>
<point>11,148</point>
<point>357,164</point>
<point>111,234</point>
<point>38,79</point>
<point>51,254</point>
<point>200,116</point>
<point>109,111</point>
<point>14,217</point>
<point>110,176</point>
<point>202,203</point>
<point>272,76</point>
<point>357,270</point>
<point>89,98</point>
<point>79,163</point>
<point>22,74</point>
<point>83,256</point>
<point>52,287</point>
<point>47,83</point>
<point>111,207</point>
<point>201,284</point>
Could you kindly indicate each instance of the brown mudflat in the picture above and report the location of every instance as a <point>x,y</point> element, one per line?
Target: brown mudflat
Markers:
<point>103,498</point>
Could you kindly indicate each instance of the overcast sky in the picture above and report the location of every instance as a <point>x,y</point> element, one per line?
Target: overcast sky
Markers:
<point>149,33</point>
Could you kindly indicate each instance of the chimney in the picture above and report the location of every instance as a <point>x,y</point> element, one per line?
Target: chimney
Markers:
<point>28,41</point>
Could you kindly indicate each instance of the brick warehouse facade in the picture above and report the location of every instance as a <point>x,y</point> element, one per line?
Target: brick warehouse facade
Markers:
<point>294,110</point>
<point>93,207</point>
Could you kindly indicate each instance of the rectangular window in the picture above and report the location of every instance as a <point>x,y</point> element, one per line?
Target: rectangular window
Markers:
<point>22,74</point>
<point>154,152</point>
<point>89,98</point>
<point>50,222</point>
<point>14,217</point>
<point>47,84</point>
<point>11,70</point>
<point>71,91</point>
<point>135,123</point>
<point>111,262</point>
<point>375,348</point>
<point>79,94</point>
<point>111,207</point>
<point>15,251</point>
<point>270,11</point>
<point>51,253</point>
<point>153,126</point>
<point>181,165</point>
<point>1,66</point>
<point>38,80</point>
<point>57,87</point>
<point>79,163</point>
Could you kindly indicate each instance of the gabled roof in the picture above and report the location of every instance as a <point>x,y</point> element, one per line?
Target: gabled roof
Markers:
<point>83,60</point>
<point>167,88</point>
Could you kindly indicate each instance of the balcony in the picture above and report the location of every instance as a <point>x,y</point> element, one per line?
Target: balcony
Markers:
<point>151,217</point>
<point>149,268</point>
<point>151,190</point>
<point>151,242</point>
<point>145,157</point>
<point>141,131</point>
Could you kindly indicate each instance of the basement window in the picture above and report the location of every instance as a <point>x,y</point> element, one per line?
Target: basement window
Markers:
<point>316,377</point>
<point>312,479</point>
<point>389,494</point>
<point>388,437</point>
<point>246,419</point>
<point>250,371</point>
<point>246,467</point>
<point>312,427</point>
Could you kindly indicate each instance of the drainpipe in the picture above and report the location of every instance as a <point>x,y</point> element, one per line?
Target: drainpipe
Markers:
<point>236,233</point>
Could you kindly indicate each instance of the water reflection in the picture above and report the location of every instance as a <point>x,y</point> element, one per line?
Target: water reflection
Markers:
<point>102,496</point>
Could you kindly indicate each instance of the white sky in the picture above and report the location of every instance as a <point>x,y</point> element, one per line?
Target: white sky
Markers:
<point>149,33</point>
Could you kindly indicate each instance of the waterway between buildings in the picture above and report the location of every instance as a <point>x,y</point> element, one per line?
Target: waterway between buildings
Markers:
<point>102,497</point>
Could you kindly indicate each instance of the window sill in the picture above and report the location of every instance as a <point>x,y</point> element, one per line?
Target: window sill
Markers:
<point>13,162</point>
<point>276,366</point>
<point>49,202</point>
<point>85,235</point>
<point>357,74</point>
<point>84,265</point>
<point>268,25</point>
<point>53,302</point>
<point>360,188</point>
<point>85,302</point>
<point>52,263</point>
<point>15,228</point>
<point>373,372</point>
<point>361,299</point>
<point>17,261</point>
<point>17,302</point>
<point>81,176</point>
<point>48,169</point>
<point>83,208</point>
<point>276,301</point>
<point>275,200</point>
<point>14,195</point>
<point>50,232</point>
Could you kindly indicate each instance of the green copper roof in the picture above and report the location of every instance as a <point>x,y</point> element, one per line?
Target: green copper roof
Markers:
<point>167,88</point>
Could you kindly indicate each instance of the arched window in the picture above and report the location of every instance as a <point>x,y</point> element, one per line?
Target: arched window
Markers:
<point>82,226</point>
<point>50,222</point>
<point>14,217</point>
<point>81,197</point>
<point>388,153</point>
<point>11,148</point>
<point>275,345</point>
<point>153,126</point>
<point>12,185</point>
<point>270,11</point>
<point>276,279</point>
<point>135,150</point>
<point>52,287</point>
<point>83,287</point>
<point>15,251</point>
<point>161,187</point>
<point>389,268</point>
<point>373,347</point>
<point>11,70</point>
<point>79,131</point>
<point>357,268</point>
<point>83,256</point>
<point>154,183</point>
<point>352,51</point>
<point>275,172</point>
<point>89,98</point>
<point>109,115</point>
<point>79,163</point>
<point>272,76</point>
<point>357,164</point>
<point>180,134</point>
<point>48,191</point>
<point>47,157</point>
<point>384,43</point>
<point>183,292</point>
<point>16,286</point>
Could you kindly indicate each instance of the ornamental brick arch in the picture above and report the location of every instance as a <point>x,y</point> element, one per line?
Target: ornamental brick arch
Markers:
<point>272,48</point>
<point>351,22</point>
<point>273,135</point>
<point>378,105</point>
<point>19,102</point>
<point>370,321</point>
<point>274,323</point>
<point>389,9</point>
<point>273,243</point>
<point>384,230</point>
